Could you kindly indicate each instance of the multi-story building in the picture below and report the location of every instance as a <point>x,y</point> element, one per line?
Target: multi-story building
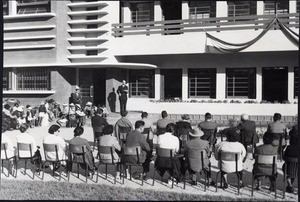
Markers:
<point>164,49</point>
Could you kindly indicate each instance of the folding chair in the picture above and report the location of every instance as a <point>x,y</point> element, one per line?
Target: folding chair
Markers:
<point>197,156</point>
<point>265,160</point>
<point>77,150</point>
<point>168,153</point>
<point>107,155</point>
<point>290,169</point>
<point>52,148</point>
<point>26,147</point>
<point>228,156</point>
<point>97,131</point>
<point>123,131</point>
<point>134,152</point>
<point>10,166</point>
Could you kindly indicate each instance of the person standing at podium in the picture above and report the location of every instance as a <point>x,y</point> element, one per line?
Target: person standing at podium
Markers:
<point>122,92</point>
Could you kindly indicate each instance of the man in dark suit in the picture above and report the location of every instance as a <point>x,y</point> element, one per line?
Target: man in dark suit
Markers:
<point>98,121</point>
<point>122,92</point>
<point>248,130</point>
<point>76,97</point>
<point>209,128</point>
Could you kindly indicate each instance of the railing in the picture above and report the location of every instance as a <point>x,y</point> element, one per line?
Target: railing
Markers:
<point>254,22</point>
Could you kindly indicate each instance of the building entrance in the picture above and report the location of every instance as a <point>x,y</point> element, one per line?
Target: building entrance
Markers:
<point>275,84</point>
<point>172,83</point>
<point>171,11</point>
<point>92,85</point>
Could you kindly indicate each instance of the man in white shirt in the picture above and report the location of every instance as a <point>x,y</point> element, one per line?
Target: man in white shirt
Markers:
<point>168,141</point>
<point>53,138</point>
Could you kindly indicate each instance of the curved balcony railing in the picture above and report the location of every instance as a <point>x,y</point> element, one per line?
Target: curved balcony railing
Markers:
<point>168,27</point>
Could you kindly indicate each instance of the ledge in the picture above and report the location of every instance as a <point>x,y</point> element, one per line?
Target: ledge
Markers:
<point>85,13</point>
<point>11,92</point>
<point>86,48</point>
<point>87,22</point>
<point>28,38</point>
<point>25,16</point>
<point>40,27</point>
<point>87,57</point>
<point>29,47</point>
<point>87,30</point>
<point>82,39</point>
<point>87,4</point>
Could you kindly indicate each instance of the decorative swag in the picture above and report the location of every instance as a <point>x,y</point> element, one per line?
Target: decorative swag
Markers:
<point>215,45</point>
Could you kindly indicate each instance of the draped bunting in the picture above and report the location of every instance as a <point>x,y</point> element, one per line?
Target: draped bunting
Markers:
<point>215,45</point>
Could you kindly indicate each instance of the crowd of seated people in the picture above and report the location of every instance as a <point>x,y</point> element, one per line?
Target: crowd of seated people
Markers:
<point>236,139</point>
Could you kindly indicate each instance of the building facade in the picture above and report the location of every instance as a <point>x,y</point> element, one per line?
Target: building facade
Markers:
<point>181,50</point>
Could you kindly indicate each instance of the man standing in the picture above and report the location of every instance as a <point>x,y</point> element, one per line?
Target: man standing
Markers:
<point>122,92</point>
<point>76,97</point>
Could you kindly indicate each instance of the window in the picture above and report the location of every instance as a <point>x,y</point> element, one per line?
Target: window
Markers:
<point>202,83</point>
<point>141,83</point>
<point>202,9</point>
<point>241,83</point>
<point>241,8</point>
<point>91,52</point>
<point>6,79</point>
<point>33,6</point>
<point>296,82</point>
<point>33,79</point>
<point>5,7</point>
<point>142,12</point>
<point>274,7</point>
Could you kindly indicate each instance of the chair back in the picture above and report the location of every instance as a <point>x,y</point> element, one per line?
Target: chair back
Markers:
<point>106,153</point>
<point>160,131</point>
<point>133,151</point>
<point>77,149</point>
<point>291,166</point>
<point>196,158</point>
<point>162,152</point>
<point>266,159</point>
<point>51,148</point>
<point>229,156</point>
<point>24,147</point>
<point>3,149</point>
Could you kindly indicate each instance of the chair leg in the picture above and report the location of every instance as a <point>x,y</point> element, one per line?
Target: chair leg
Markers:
<point>34,170</point>
<point>252,187</point>
<point>2,166</point>
<point>130,172</point>
<point>116,170</point>
<point>275,188</point>
<point>25,167</point>
<point>105,171</point>
<point>217,181</point>
<point>77,170</point>
<point>124,172</point>
<point>206,180</point>
<point>53,169</point>
<point>173,179</point>
<point>97,173</point>
<point>284,181</point>
<point>238,175</point>
<point>184,178</point>
<point>153,177</point>
<point>17,168</point>
<point>60,171</point>
<point>86,173</point>
<point>43,166</point>
<point>142,178</point>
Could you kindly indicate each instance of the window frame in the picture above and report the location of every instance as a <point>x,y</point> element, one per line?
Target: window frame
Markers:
<point>136,84</point>
<point>24,75</point>
<point>195,7</point>
<point>251,10</point>
<point>134,11</point>
<point>275,7</point>
<point>33,6</point>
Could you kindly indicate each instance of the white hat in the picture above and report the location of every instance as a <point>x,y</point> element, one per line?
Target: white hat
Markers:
<point>76,87</point>
<point>42,103</point>
<point>196,132</point>
<point>65,105</point>
<point>88,103</point>
<point>20,109</point>
<point>72,105</point>
<point>29,108</point>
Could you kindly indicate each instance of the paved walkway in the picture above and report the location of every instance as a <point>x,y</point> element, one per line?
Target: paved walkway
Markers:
<point>67,133</point>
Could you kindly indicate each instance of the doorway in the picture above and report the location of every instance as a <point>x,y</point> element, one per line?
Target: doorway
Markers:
<point>99,79</point>
<point>275,84</point>
<point>172,11</point>
<point>172,80</point>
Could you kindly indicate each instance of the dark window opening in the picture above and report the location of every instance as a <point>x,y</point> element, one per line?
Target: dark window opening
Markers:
<point>5,7</point>
<point>92,52</point>
<point>202,9</point>
<point>33,6</point>
<point>142,12</point>
<point>141,83</point>
<point>241,8</point>
<point>33,79</point>
<point>276,7</point>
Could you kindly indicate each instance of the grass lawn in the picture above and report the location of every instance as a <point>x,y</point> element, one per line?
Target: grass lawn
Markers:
<point>27,190</point>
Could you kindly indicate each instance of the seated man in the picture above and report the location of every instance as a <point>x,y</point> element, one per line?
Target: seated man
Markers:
<point>135,138</point>
<point>25,138</point>
<point>248,130</point>
<point>196,142</point>
<point>98,121</point>
<point>162,123</point>
<point>266,149</point>
<point>183,128</point>
<point>291,151</point>
<point>54,138</point>
<point>162,164</point>
<point>122,122</point>
<point>231,145</point>
<point>208,125</point>
<point>277,127</point>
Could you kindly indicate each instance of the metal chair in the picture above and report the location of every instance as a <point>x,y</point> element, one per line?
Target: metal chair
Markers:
<point>279,137</point>
<point>134,152</point>
<point>31,158</point>
<point>107,154</point>
<point>228,156</point>
<point>197,156</point>
<point>168,153</point>
<point>52,148</point>
<point>4,150</point>
<point>265,160</point>
<point>78,150</point>
<point>252,143</point>
<point>290,169</point>
<point>123,131</point>
<point>97,131</point>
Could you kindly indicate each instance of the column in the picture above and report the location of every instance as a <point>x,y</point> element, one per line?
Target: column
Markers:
<point>221,83</point>
<point>260,8</point>
<point>221,9</point>
<point>185,10</point>
<point>157,87</point>
<point>14,79</point>
<point>126,13</point>
<point>291,83</point>
<point>157,11</point>
<point>12,7</point>
<point>185,84</point>
<point>293,6</point>
<point>259,84</point>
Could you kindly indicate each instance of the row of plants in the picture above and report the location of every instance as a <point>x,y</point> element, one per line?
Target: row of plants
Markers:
<point>223,101</point>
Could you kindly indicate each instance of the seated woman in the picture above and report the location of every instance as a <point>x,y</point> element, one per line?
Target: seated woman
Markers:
<point>72,121</point>
<point>267,149</point>
<point>163,164</point>
<point>231,145</point>
<point>77,140</point>
<point>291,151</point>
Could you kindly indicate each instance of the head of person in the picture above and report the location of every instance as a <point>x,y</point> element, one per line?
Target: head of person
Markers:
<point>42,104</point>
<point>77,89</point>
<point>171,128</point>
<point>54,129</point>
<point>139,125</point>
<point>108,130</point>
<point>23,128</point>
<point>277,117</point>
<point>207,116</point>
<point>88,104</point>
<point>124,113</point>
<point>16,104</point>
<point>185,117</point>
<point>99,111</point>
<point>233,135</point>
<point>78,131</point>
<point>164,114</point>
<point>196,133</point>
<point>268,138</point>
<point>7,106</point>
<point>27,106</point>
<point>144,115</point>
<point>123,82</point>
<point>234,122</point>
<point>244,117</point>
<point>72,106</point>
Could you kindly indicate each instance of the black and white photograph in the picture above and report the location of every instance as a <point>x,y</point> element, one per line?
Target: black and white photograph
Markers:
<point>147,100</point>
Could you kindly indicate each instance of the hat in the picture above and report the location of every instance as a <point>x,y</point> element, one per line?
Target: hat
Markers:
<point>76,87</point>
<point>72,105</point>
<point>196,132</point>
<point>29,108</point>
<point>78,105</point>
<point>42,103</point>
<point>88,103</point>
<point>20,109</point>
<point>185,117</point>
<point>65,105</point>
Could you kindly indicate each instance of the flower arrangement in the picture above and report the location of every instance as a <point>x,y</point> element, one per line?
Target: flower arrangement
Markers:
<point>221,101</point>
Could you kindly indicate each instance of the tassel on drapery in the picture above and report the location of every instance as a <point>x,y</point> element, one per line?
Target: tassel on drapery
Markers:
<point>215,45</point>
